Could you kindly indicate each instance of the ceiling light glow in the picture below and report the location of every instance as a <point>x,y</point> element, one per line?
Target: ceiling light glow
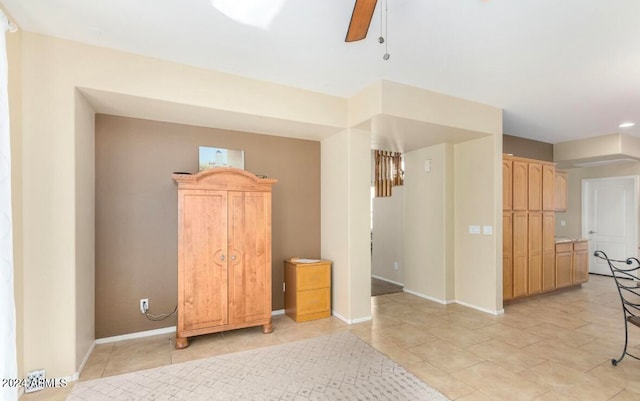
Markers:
<point>257,13</point>
<point>626,125</point>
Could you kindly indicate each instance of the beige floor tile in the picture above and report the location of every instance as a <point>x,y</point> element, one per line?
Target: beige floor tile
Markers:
<point>461,336</point>
<point>406,335</point>
<point>49,394</point>
<point>440,380</point>
<point>397,353</point>
<point>507,356</point>
<point>500,383</point>
<point>554,396</point>
<point>569,356</point>
<point>626,395</point>
<point>510,335</point>
<point>625,375</point>
<point>569,337</point>
<point>445,356</point>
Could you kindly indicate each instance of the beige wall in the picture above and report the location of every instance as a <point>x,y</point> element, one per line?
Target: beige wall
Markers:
<point>428,250</point>
<point>478,201</point>
<point>388,223</point>
<point>529,148</point>
<point>14,64</point>
<point>345,221</point>
<point>136,221</point>
<point>85,227</point>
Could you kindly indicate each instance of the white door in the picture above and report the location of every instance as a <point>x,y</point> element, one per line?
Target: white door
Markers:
<point>609,219</point>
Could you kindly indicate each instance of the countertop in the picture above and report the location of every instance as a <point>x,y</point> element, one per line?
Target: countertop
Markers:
<point>567,239</point>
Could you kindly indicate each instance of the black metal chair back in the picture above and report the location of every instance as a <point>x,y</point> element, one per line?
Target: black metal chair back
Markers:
<point>625,274</point>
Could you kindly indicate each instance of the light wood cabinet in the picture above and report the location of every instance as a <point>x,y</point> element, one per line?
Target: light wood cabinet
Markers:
<point>520,185</point>
<point>532,262</point>
<point>560,191</point>
<point>564,264</point>
<point>534,193</point>
<point>507,255</point>
<point>548,188</point>
<point>580,262</point>
<point>224,252</point>
<point>520,254</point>
<point>507,184</point>
<point>535,252</point>
<point>307,294</point>
<point>548,251</point>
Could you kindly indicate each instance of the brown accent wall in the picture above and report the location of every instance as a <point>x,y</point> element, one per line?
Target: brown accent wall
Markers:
<point>528,148</point>
<point>136,210</point>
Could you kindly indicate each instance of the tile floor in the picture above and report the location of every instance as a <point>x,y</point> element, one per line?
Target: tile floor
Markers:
<point>552,347</point>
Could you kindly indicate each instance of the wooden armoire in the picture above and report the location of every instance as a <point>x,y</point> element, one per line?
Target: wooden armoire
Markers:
<point>224,252</point>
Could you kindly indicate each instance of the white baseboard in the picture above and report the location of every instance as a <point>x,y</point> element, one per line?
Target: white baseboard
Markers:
<point>139,334</point>
<point>149,333</point>
<point>485,310</point>
<point>387,280</point>
<point>350,321</point>
<point>445,302</point>
<point>427,297</point>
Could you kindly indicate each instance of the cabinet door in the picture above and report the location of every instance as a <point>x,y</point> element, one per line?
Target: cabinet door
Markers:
<point>250,256</point>
<point>564,263</point>
<point>580,262</point>
<point>520,262</point>
<point>202,274</point>
<point>548,188</point>
<point>560,192</point>
<point>507,184</point>
<point>507,256</point>
<point>520,185</point>
<point>535,252</point>
<point>548,251</point>
<point>535,186</point>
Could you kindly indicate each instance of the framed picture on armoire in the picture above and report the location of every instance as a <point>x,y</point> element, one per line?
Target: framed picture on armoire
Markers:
<point>219,157</point>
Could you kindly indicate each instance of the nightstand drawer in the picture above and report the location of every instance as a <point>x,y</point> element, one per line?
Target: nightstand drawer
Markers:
<point>312,277</point>
<point>314,301</point>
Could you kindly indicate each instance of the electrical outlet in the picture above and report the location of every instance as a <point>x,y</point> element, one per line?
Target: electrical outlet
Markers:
<point>144,305</point>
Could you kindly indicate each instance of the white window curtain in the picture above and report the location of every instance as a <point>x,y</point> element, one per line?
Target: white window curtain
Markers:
<point>8,369</point>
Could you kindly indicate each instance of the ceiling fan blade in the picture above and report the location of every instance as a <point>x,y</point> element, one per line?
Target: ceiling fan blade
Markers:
<point>360,20</point>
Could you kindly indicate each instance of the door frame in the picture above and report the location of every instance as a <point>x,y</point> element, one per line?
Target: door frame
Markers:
<point>634,220</point>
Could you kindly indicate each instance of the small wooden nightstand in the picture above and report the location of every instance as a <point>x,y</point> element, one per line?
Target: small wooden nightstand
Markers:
<point>307,294</point>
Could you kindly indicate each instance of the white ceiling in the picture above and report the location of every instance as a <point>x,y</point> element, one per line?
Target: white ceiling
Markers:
<point>561,70</point>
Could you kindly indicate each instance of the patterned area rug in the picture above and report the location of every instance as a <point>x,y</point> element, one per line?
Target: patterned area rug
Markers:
<point>382,287</point>
<point>335,367</point>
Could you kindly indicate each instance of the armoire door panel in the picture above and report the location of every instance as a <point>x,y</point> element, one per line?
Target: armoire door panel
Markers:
<point>250,246</point>
<point>204,241</point>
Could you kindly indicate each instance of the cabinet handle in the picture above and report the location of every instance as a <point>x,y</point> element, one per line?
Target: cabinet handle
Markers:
<point>592,232</point>
<point>222,258</point>
<point>233,257</point>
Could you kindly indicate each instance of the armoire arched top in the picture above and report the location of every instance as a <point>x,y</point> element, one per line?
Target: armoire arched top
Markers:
<point>224,178</point>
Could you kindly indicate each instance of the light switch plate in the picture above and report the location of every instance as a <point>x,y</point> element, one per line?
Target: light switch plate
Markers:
<point>474,229</point>
<point>487,230</point>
